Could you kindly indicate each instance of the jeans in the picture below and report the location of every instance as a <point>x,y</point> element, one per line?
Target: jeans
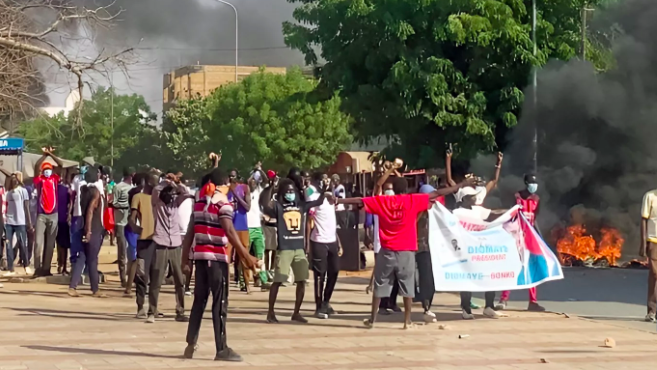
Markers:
<point>46,235</point>
<point>425,290</point>
<point>258,243</point>
<point>88,258</point>
<point>326,267</point>
<point>21,239</point>
<point>145,257</point>
<point>77,224</point>
<point>211,277</point>
<point>532,295</point>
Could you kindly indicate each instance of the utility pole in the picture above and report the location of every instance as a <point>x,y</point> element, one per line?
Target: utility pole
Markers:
<point>583,51</point>
<point>535,90</point>
<point>112,120</point>
<point>236,36</point>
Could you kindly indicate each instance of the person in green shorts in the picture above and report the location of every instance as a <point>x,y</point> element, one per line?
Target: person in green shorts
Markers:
<point>255,232</point>
<point>290,211</point>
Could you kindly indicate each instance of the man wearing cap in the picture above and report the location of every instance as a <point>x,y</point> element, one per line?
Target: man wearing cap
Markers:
<point>467,209</point>
<point>45,182</point>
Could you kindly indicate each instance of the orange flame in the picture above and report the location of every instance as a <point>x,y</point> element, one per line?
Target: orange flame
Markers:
<point>577,245</point>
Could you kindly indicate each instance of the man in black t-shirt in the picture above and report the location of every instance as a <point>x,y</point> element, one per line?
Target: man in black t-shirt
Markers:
<point>290,213</point>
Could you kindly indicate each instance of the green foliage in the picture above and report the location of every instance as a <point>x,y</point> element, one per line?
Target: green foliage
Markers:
<point>134,134</point>
<point>428,72</point>
<point>273,118</point>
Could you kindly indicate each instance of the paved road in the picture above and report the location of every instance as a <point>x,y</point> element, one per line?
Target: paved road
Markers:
<point>614,295</point>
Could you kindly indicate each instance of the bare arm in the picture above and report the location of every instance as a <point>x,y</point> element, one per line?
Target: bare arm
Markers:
<point>28,215</point>
<point>37,165</point>
<point>448,167</point>
<point>356,201</point>
<point>5,172</point>
<point>643,248</point>
<point>132,221</point>
<point>244,201</point>
<point>498,167</point>
<point>317,202</point>
<point>187,242</point>
<point>266,203</point>
<point>449,190</point>
<point>56,159</point>
<point>95,202</point>
<point>378,187</point>
<point>234,240</point>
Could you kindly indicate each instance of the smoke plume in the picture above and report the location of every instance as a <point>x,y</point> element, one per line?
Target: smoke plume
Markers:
<point>596,131</point>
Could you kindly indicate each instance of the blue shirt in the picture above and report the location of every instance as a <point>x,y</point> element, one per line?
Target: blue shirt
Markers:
<point>240,221</point>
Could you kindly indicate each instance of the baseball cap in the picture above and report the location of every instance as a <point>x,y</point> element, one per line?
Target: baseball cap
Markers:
<point>46,166</point>
<point>271,174</point>
<point>426,189</point>
<point>466,191</point>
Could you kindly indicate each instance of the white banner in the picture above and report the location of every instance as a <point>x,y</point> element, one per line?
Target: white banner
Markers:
<point>473,256</point>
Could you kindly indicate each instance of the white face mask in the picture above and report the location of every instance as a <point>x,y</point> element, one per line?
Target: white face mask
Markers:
<point>532,188</point>
<point>479,198</point>
<point>389,192</point>
<point>47,173</point>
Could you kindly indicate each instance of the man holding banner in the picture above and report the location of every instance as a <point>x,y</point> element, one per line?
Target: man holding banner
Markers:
<point>398,236</point>
<point>475,249</point>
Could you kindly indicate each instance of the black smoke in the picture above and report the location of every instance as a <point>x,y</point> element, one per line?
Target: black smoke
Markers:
<point>597,131</point>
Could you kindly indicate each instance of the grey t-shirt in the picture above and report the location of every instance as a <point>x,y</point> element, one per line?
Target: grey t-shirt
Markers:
<point>15,206</point>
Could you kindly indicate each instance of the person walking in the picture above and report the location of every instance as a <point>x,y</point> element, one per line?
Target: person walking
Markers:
<point>121,205</point>
<point>63,228</point>
<point>648,248</point>
<point>94,232</point>
<point>45,182</point>
<point>209,232</point>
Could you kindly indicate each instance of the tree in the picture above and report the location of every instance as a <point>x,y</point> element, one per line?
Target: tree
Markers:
<point>273,118</point>
<point>136,140</point>
<point>426,73</point>
<point>36,31</point>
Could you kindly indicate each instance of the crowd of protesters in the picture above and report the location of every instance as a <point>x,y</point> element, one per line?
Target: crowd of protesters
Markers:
<point>265,225</point>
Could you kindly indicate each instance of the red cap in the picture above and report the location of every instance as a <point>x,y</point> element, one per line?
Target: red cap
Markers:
<point>271,174</point>
<point>46,166</point>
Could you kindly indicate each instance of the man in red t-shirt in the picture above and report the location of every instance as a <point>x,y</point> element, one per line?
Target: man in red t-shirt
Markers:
<point>398,236</point>
<point>45,182</point>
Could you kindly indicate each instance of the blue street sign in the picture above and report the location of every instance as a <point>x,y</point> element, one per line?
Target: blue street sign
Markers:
<point>13,145</point>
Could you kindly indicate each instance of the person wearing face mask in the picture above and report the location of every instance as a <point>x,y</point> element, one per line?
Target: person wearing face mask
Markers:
<point>45,182</point>
<point>529,201</point>
<point>290,211</point>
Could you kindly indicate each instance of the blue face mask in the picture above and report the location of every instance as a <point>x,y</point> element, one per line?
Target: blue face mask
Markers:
<point>290,197</point>
<point>532,188</point>
<point>47,173</point>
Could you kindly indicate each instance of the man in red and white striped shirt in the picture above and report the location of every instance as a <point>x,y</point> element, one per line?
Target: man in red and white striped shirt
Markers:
<point>211,230</point>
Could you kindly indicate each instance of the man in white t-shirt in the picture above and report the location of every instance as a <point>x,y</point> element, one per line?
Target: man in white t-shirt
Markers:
<point>467,209</point>
<point>256,237</point>
<point>325,250</point>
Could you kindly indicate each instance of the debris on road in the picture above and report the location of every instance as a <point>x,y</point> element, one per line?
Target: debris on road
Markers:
<point>609,343</point>
<point>462,336</point>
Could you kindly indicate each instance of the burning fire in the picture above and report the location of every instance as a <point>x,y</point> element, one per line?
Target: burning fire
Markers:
<point>576,244</point>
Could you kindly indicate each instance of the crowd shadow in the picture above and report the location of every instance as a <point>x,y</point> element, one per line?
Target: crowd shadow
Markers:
<point>72,314</point>
<point>102,352</point>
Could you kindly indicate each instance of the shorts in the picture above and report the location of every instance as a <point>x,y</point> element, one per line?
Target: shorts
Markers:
<point>295,259</point>
<point>271,239</point>
<point>63,235</point>
<point>390,265</point>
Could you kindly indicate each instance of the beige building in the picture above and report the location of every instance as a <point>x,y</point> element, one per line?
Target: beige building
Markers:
<point>186,82</point>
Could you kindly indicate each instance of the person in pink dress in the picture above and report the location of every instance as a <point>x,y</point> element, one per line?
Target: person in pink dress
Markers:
<point>529,201</point>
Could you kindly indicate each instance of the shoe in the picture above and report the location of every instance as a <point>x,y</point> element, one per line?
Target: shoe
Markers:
<point>651,318</point>
<point>467,316</point>
<point>9,273</point>
<point>491,313</point>
<point>384,311</point>
<point>396,309</point>
<point>329,310</point>
<point>429,317</point>
<point>160,315</point>
<point>321,315</point>
<point>500,306</point>
<point>73,293</point>
<point>150,319</point>
<point>99,295</point>
<point>29,271</point>
<point>189,351</point>
<point>430,314</point>
<point>228,355</point>
<point>535,307</point>
<point>188,293</point>
<point>141,314</point>
<point>182,318</point>
<point>474,306</point>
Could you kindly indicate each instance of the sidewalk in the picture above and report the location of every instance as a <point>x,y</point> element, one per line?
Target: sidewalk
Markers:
<point>43,329</point>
